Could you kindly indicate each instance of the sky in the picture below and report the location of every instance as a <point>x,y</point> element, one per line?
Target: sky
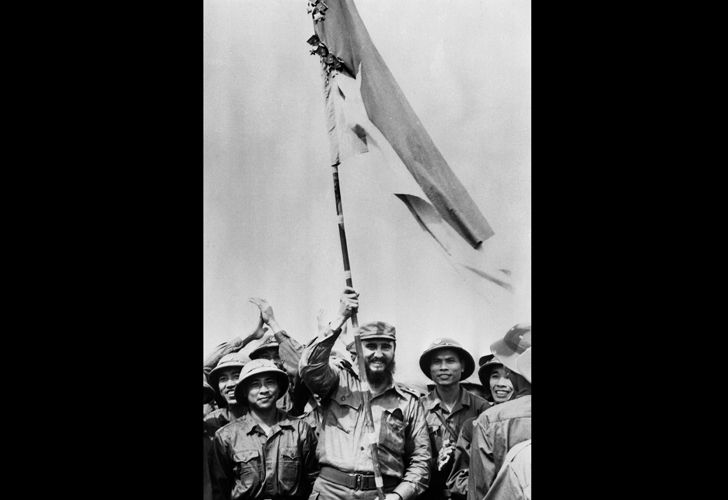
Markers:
<point>270,226</point>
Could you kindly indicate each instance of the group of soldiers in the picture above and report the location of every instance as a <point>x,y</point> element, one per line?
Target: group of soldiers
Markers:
<point>289,421</point>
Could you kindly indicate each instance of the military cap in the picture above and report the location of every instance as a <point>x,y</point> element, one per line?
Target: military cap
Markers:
<point>268,343</point>
<point>232,360</point>
<point>465,358</point>
<point>256,367</point>
<point>377,330</point>
<point>512,345</point>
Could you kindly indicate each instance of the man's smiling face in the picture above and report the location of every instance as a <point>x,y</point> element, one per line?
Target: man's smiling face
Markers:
<point>226,383</point>
<point>445,367</point>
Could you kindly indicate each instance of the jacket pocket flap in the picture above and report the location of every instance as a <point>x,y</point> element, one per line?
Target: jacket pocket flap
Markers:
<point>245,455</point>
<point>290,453</point>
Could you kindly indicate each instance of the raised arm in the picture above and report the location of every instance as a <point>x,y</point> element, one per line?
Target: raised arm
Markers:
<point>233,345</point>
<point>289,349</point>
<point>315,368</point>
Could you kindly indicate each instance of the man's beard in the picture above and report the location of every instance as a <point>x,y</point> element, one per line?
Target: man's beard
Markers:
<point>383,376</point>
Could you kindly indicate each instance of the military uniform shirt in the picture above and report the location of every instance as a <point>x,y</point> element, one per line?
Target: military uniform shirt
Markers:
<point>399,422</point>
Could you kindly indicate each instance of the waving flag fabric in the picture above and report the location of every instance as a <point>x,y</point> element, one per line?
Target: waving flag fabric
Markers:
<point>345,47</point>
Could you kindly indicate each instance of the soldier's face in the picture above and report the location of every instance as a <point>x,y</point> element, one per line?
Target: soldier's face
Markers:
<point>271,354</point>
<point>379,355</point>
<point>226,384</point>
<point>263,391</point>
<point>445,367</point>
<point>501,386</point>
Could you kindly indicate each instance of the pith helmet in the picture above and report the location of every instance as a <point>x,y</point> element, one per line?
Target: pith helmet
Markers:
<point>465,358</point>
<point>377,330</point>
<point>512,345</point>
<point>232,360</point>
<point>484,374</point>
<point>484,359</point>
<point>268,343</point>
<point>256,367</point>
<point>523,363</point>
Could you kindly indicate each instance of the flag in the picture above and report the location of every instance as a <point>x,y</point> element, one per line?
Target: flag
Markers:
<point>344,45</point>
<point>464,258</point>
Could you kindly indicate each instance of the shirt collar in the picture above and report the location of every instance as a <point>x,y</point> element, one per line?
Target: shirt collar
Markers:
<point>433,400</point>
<point>397,389</point>
<point>249,424</point>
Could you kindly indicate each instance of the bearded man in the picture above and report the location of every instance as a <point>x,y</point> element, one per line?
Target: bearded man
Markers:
<point>403,442</point>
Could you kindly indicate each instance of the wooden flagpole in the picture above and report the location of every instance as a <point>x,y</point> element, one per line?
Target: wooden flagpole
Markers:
<point>366,393</point>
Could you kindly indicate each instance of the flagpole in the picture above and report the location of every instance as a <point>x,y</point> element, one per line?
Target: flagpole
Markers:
<point>368,419</point>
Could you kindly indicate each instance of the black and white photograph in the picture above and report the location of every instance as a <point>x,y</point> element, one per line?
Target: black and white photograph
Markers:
<point>366,249</point>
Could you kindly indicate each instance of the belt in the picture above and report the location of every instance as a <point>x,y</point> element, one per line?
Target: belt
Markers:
<point>355,480</point>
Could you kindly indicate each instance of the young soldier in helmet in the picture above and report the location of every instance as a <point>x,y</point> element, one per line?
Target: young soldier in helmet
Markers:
<point>224,379</point>
<point>221,370</point>
<point>501,427</point>
<point>495,379</point>
<point>264,454</point>
<point>513,481</point>
<point>285,352</point>
<point>401,439</point>
<point>447,406</point>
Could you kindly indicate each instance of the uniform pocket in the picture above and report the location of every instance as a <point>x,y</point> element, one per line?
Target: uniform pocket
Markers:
<point>391,434</point>
<point>343,412</point>
<point>247,467</point>
<point>290,467</point>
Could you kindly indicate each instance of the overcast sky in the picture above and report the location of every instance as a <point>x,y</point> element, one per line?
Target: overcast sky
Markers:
<point>269,217</point>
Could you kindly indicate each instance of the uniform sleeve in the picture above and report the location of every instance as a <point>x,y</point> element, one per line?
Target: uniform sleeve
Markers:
<point>482,465</point>
<point>289,350</point>
<point>418,454</point>
<point>221,470</point>
<point>457,482</point>
<point>319,375</point>
<point>221,350</point>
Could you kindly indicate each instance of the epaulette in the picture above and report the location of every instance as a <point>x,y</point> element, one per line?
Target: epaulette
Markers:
<point>409,390</point>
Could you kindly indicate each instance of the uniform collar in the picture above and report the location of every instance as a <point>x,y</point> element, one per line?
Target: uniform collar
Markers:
<point>433,400</point>
<point>393,386</point>
<point>249,424</point>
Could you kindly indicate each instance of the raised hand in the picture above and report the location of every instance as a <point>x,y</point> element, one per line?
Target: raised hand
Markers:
<point>266,311</point>
<point>349,302</point>
<point>443,457</point>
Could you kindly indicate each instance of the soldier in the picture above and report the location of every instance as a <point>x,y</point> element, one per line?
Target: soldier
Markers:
<point>513,481</point>
<point>224,378</point>
<point>495,379</point>
<point>501,427</point>
<point>403,444</point>
<point>285,352</point>
<point>225,356</point>
<point>265,454</point>
<point>447,406</point>
<point>499,389</point>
